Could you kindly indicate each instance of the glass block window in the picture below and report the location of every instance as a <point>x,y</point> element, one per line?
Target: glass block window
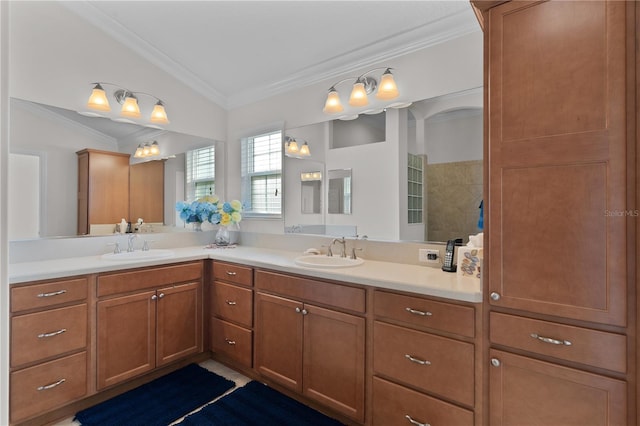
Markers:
<point>415,188</point>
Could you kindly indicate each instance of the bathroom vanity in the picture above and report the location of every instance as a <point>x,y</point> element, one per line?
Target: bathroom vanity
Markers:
<point>346,341</point>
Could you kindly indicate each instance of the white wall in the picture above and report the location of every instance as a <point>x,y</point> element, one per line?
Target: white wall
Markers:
<point>55,56</point>
<point>454,136</point>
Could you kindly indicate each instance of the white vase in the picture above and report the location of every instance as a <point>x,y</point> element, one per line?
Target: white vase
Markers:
<point>222,236</point>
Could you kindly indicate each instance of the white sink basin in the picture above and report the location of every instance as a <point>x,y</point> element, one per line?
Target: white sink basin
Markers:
<point>321,261</point>
<point>138,255</point>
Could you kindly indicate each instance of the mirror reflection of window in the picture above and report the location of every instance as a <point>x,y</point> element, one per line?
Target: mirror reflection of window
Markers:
<point>261,158</point>
<point>339,197</point>
<point>201,173</point>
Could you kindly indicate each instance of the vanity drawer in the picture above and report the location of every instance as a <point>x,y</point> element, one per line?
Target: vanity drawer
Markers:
<point>44,295</point>
<point>591,347</point>
<point>425,313</point>
<point>231,340</point>
<point>44,334</point>
<point>233,273</point>
<point>392,404</point>
<point>232,303</point>
<point>125,282</point>
<point>44,387</point>
<point>309,290</point>
<point>435,364</point>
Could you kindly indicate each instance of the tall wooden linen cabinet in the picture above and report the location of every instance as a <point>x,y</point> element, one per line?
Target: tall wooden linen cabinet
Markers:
<point>562,215</point>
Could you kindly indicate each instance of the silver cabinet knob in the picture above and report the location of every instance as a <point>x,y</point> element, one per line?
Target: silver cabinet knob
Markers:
<point>495,296</point>
<point>495,362</point>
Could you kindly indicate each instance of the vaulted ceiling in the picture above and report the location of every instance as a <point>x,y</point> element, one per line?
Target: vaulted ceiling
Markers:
<point>237,52</point>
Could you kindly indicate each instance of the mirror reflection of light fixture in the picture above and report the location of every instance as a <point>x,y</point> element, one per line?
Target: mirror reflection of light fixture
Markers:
<point>293,150</point>
<point>362,87</point>
<point>310,176</point>
<point>129,100</point>
<point>147,150</point>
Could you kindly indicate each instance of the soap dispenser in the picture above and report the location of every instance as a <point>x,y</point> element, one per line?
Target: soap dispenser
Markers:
<point>123,226</point>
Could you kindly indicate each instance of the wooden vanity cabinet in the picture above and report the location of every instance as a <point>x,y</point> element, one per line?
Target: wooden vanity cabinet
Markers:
<point>560,211</point>
<point>103,188</point>
<point>146,192</point>
<point>49,346</point>
<point>424,361</point>
<point>151,315</point>
<point>318,351</point>
<point>231,309</point>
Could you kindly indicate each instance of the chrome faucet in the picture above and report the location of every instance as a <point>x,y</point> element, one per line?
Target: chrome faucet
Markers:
<point>130,242</point>
<point>343,249</point>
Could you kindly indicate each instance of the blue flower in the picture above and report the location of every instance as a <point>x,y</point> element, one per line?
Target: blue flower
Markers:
<point>226,207</point>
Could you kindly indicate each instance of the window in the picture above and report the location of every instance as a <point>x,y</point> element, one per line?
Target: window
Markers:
<point>262,174</point>
<point>415,187</point>
<point>200,173</point>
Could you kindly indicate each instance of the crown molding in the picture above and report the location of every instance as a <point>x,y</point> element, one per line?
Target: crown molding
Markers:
<point>402,43</point>
<point>147,51</point>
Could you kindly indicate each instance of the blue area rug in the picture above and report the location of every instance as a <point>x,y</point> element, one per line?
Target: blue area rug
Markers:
<point>160,402</point>
<point>257,404</point>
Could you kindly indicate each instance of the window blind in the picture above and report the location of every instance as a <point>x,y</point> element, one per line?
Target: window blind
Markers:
<point>262,174</point>
<point>200,171</point>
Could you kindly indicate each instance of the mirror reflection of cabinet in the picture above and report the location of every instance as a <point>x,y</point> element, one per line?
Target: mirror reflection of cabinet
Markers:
<point>146,192</point>
<point>109,190</point>
<point>103,188</point>
<point>311,192</point>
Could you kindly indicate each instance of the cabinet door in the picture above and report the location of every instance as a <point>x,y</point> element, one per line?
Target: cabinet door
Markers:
<point>126,328</point>
<point>278,340</point>
<point>334,360</point>
<point>524,391</point>
<point>146,192</point>
<point>108,187</point>
<point>557,168</point>
<point>179,316</point>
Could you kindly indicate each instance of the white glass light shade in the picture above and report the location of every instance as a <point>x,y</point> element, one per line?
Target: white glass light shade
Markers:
<point>146,150</point>
<point>139,152</point>
<point>333,104</point>
<point>154,149</point>
<point>130,108</point>
<point>98,99</point>
<point>358,96</point>
<point>292,147</point>
<point>159,115</point>
<point>387,89</point>
<point>304,150</point>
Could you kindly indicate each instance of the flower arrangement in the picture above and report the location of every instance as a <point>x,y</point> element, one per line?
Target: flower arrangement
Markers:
<point>210,209</point>
<point>230,213</point>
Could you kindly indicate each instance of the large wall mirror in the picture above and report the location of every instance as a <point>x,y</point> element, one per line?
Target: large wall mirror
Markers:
<point>51,136</point>
<point>416,172</point>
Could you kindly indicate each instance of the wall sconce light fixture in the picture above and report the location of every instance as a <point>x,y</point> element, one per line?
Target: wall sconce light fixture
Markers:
<point>291,148</point>
<point>147,150</point>
<point>362,87</point>
<point>129,101</point>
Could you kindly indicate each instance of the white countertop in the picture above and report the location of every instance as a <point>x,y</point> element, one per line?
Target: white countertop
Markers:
<point>411,278</point>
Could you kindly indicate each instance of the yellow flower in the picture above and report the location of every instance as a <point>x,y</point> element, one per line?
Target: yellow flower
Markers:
<point>236,217</point>
<point>236,205</point>
<point>209,199</point>
<point>225,219</point>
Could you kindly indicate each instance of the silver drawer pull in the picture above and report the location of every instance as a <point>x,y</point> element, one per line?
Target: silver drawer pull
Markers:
<point>230,342</point>
<point>53,293</point>
<point>414,422</point>
<point>231,273</point>
<point>231,302</point>
<point>51,334</point>
<point>550,340</point>
<point>417,360</point>
<point>51,385</point>
<point>417,312</point>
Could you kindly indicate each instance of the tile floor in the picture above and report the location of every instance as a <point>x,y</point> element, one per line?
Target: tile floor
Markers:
<point>211,365</point>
